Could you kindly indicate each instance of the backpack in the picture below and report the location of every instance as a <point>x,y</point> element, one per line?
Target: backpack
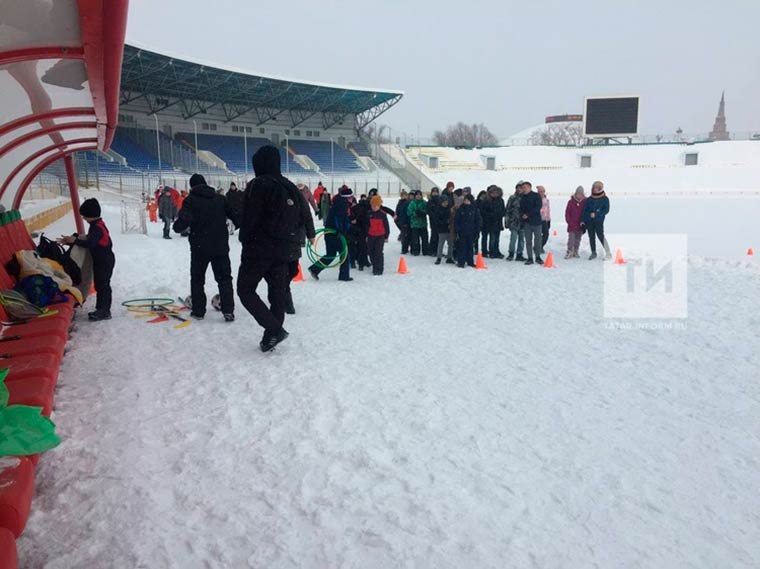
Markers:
<point>284,221</point>
<point>52,250</point>
<point>41,290</point>
<point>17,307</point>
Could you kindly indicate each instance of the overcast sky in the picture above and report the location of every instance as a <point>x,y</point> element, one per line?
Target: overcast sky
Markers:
<point>504,63</point>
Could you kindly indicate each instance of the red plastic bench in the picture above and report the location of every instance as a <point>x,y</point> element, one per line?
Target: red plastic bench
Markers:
<point>8,555</point>
<point>16,490</point>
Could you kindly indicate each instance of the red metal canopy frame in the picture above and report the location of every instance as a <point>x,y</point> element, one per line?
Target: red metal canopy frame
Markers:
<point>102,26</point>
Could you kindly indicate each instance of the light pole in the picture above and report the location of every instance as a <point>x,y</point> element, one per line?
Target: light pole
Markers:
<point>195,126</point>
<point>245,152</point>
<point>332,164</point>
<point>287,155</point>
<point>158,148</point>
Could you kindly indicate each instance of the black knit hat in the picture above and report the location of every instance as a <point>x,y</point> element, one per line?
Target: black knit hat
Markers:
<point>346,192</point>
<point>90,208</point>
<point>266,160</point>
<point>197,180</point>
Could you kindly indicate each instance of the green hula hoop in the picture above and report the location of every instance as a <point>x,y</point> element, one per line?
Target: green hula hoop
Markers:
<point>148,302</point>
<point>316,258</point>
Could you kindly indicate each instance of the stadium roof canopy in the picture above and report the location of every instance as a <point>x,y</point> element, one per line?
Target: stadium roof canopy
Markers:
<point>166,81</point>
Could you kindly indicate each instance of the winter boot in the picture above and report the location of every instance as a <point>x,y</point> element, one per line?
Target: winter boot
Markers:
<point>438,261</point>
<point>229,317</point>
<point>592,257</point>
<point>511,257</point>
<point>98,315</point>
<point>271,339</point>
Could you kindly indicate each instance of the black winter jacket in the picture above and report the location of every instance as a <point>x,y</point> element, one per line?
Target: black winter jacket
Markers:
<point>530,205</point>
<point>205,213</point>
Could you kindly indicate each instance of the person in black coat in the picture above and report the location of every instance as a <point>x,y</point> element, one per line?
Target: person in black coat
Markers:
<point>167,210</point>
<point>402,220</point>
<point>307,232</point>
<point>360,215</point>
<point>235,199</point>
<point>271,229</point>
<point>530,213</point>
<point>493,215</point>
<point>205,214</point>
<point>467,224</point>
<point>433,204</point>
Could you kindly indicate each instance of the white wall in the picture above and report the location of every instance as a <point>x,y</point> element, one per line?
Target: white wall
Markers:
<point>723,166</point>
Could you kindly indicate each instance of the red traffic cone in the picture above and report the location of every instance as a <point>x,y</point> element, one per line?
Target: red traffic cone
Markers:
<point>480,264</point>
<point>750,251</point>
<point>619,260</point>
<point>402,270</point>
<point>299,277</point>
<point>92,288</point>
<point>555,233</point>
<point>549,262</point>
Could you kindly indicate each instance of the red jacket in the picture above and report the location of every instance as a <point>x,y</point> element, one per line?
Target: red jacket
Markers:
<point>378,224</point>
<point>574,214</point>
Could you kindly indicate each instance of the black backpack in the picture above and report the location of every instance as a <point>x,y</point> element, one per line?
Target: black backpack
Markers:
<point>51,250</point>
<point>284,221</point>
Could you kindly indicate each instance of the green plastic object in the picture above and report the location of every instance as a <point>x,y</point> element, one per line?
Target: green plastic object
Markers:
<point>23,429</point>
<point>316,258</point>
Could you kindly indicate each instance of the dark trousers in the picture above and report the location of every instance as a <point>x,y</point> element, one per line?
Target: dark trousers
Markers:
<point>433,245</point>
<point>292,273</point>
<point>375,246</point>
<point>596,229</point>
<point>361,250</point>
<point>220,264</point>
<point>545,226</point>
<point>465,250</point>
<point>491,243</point>
<point>102,270</point>
<point>406,237</point>
<point>275,273</point>
<point>167,226</point>
<point>332,244</point>
<point>419,240</point>
<point>483,242</point>
<point>532,240</point>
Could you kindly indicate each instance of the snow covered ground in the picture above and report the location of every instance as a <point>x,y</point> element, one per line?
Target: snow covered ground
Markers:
<point>447,418</point>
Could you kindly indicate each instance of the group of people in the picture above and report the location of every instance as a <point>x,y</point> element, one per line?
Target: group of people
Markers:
<point>462,224</point>
<point>275,221</point>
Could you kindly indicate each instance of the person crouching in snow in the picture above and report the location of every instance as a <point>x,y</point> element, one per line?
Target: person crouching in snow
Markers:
<point>467,225</point>
<point>573,217</point>
<point>378,231</point>
<point>98,241</point>
<point>339,220</point>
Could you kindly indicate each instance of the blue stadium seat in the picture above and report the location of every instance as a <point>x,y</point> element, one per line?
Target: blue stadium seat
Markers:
<point>325,156</point>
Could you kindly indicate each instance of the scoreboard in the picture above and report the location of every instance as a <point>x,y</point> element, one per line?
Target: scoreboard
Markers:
<point>611,116</point>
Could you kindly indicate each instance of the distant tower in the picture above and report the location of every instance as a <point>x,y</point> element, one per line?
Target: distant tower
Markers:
<point>719,131</point>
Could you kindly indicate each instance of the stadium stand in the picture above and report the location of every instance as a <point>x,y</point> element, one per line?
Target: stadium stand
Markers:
<point>326,155</point>
<point>360,147</point>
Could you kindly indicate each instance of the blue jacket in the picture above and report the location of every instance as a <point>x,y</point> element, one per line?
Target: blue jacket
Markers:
<point>339,217</point>
<point>530,205</point>
<point>467,221</point>
<point>599,206</point>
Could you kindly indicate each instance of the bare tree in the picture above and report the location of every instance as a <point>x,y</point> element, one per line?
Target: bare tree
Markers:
<point>558,134</point>
<point>462,134</point>
<point>377,133</point>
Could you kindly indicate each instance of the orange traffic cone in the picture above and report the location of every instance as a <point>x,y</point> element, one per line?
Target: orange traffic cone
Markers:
<point>555,233</point>
<point>750,251</point>
<point>480,264</point>
<point>402,270</point>
<point>299,277</point>
<point>619,260</point>
<point>549,262</point>
<point>92,288</point>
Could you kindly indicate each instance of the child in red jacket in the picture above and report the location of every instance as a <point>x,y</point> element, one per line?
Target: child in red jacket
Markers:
<point>574,218</point>
<point>377,234</point>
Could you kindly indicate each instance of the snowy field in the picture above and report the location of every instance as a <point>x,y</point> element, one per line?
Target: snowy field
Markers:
<point>447,418</point>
